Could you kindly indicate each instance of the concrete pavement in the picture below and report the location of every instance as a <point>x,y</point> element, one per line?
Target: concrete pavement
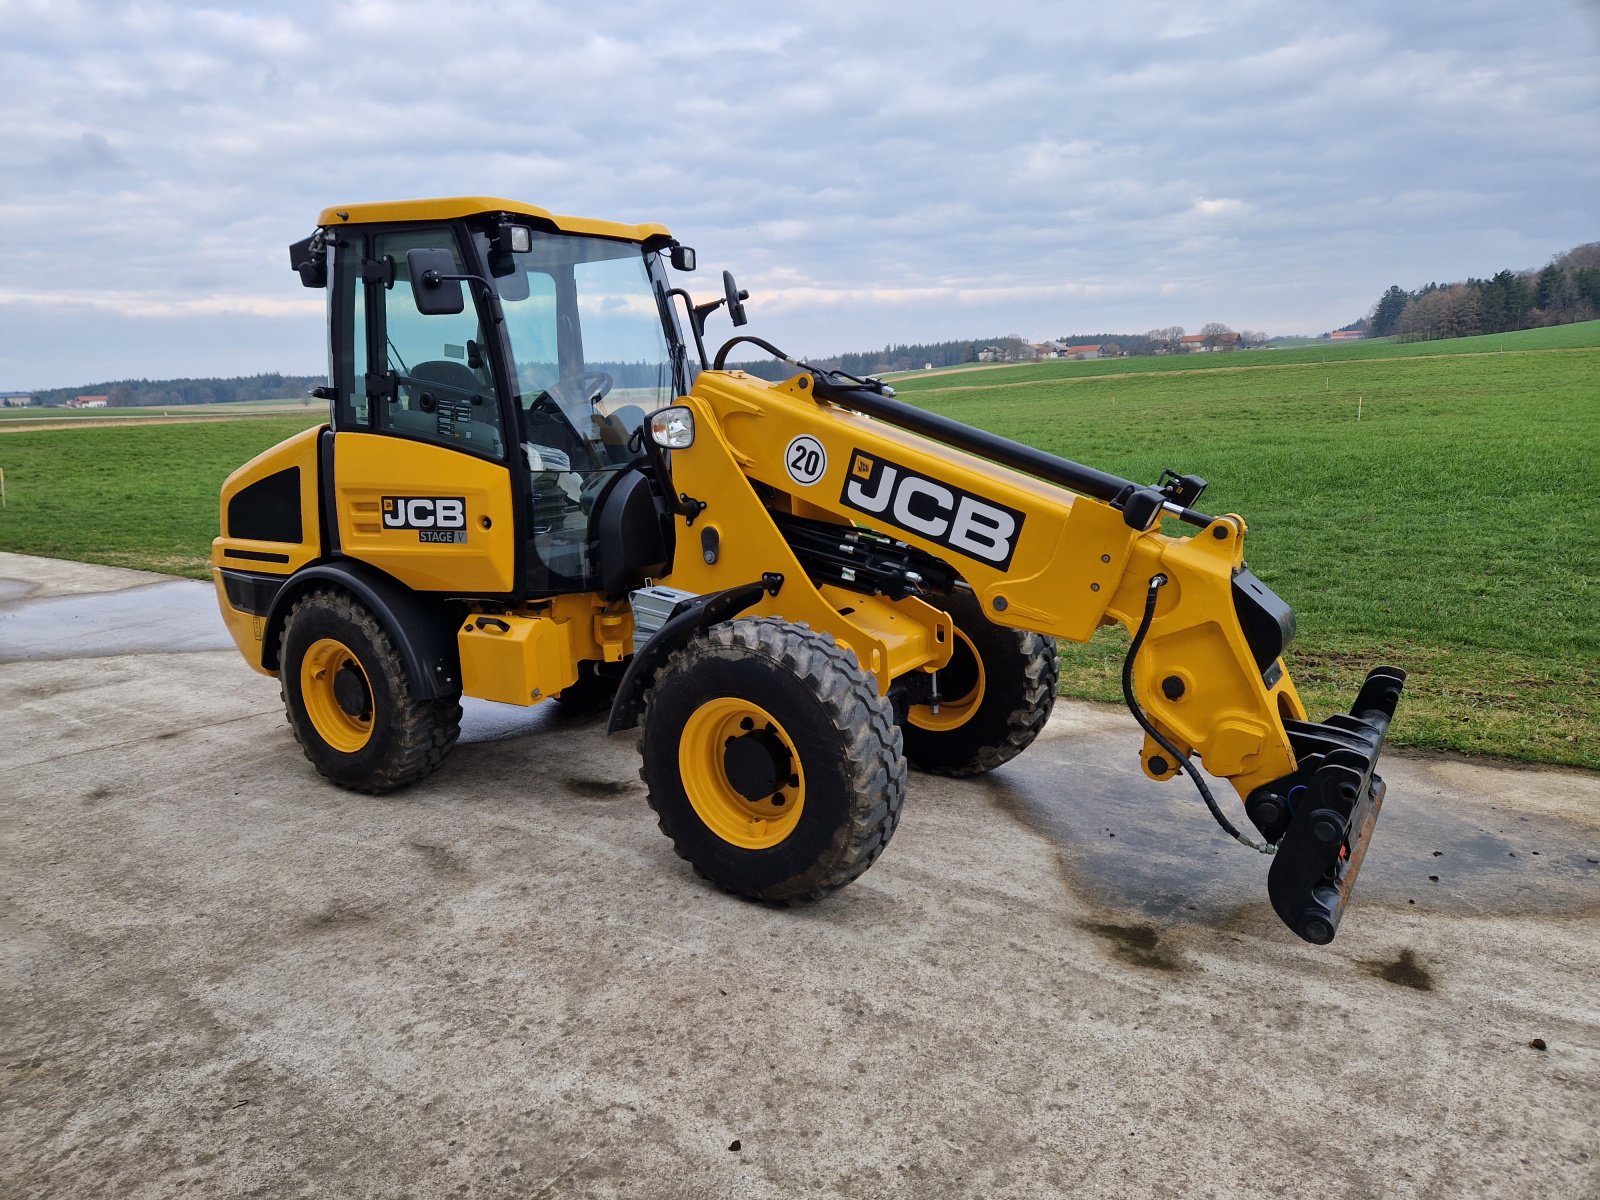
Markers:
<point>223,976</point>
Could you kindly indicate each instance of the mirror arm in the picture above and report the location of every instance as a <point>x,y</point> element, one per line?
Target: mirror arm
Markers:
<point>432,279</point>
<point>697,322</point>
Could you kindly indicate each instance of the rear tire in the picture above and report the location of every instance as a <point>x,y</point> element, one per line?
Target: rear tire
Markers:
<point>999,688</point>
<point>771,761</point>
<point>349,700</point>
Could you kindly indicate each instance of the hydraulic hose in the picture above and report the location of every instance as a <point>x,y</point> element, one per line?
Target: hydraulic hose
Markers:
<point>722,354</point>
<point>1157,582</point>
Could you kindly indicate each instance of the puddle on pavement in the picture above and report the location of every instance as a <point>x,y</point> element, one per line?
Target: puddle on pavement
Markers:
<point>170,617</point>
<point>1132,846</point>
<point>179,616</point>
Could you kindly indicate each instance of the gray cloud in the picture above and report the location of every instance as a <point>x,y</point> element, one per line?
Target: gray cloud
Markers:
<point>873,172</point>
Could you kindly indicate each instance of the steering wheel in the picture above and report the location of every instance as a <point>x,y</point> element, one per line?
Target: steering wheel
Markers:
<point>589,385</point>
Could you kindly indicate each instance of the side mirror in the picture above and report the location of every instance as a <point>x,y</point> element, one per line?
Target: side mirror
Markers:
<point>734,295</point>
<point>308,259</point>
<point>435,286</point>
<point>682,258</point>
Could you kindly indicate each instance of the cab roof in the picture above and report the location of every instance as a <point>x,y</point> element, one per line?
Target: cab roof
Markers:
<point>453,207</point>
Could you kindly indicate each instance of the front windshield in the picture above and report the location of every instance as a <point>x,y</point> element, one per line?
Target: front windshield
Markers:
<point>587,343</point>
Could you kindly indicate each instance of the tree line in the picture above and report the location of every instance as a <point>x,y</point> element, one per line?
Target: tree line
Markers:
<point>905,356</point>
<point>1565,290</point>
<point>145,393</point>
<point>913,356</point>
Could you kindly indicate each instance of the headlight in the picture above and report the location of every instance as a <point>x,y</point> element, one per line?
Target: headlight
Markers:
<point>672,428</point>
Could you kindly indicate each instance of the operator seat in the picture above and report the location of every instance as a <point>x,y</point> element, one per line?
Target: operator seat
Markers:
<point>457,376</point>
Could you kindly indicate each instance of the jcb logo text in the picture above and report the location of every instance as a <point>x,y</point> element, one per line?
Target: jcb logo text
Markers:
<point>939,512</point>
<point>424,512</point>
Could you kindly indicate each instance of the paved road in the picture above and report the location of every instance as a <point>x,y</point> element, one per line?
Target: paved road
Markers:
<point>223,977</point>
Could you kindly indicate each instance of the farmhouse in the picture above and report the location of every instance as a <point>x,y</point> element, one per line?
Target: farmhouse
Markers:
<point>15,399</point>
<point>1346,335</point>
<point>1079,353</point>
<point>89,402</point>
<point>1201,342</point>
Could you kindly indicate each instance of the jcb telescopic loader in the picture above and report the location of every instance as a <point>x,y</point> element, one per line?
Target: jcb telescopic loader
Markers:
<point>528,490</point>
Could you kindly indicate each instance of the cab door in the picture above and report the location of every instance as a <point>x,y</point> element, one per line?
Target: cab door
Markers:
<point>420,457</point>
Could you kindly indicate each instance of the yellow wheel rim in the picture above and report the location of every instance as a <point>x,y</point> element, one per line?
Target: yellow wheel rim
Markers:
<point>953,712</point>
<point>728,747</point>
<point>320,672</point>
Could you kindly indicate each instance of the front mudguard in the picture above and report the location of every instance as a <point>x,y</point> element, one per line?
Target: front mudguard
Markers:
<point>687,619</point>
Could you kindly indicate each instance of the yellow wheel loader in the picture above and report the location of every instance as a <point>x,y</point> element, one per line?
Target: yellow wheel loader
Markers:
<point>532,486</point>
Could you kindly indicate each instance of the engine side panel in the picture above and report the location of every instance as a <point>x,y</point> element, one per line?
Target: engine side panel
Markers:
<point>271,527</point>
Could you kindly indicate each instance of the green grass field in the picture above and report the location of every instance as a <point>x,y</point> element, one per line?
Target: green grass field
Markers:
<point>157,412</point>
<point>1449,530</point>
<point>129,496</point>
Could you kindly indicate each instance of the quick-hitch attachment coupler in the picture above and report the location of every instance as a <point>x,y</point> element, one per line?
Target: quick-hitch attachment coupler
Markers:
<point>1321,818</point>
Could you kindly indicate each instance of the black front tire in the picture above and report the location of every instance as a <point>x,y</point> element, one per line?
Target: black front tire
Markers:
<point>366,731</point>
<point>818,716</point>
<point>998,690</point>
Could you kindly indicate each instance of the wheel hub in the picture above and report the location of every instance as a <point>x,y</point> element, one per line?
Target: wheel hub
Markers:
<point>758,764</point>
<point>336,695</point>
<point>350,690</point>
<point>741,773</point>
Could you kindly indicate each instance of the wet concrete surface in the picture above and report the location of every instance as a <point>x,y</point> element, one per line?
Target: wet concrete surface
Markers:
<point>177,615</point>
<point>224,977</point>
<point>1439,847</point>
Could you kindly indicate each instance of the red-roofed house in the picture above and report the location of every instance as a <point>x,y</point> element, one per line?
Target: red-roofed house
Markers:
<point>89,402</point>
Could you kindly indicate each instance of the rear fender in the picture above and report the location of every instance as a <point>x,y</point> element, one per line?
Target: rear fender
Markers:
<point>423,629</point>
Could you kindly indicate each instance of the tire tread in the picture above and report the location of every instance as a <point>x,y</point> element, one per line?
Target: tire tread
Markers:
<point>863,719</point>
<point>425,730</point>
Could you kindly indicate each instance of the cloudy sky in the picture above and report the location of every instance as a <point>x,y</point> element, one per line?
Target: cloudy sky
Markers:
<point>872,172</point>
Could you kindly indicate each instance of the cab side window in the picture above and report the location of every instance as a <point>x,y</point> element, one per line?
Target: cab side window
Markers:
<point>443,387</point>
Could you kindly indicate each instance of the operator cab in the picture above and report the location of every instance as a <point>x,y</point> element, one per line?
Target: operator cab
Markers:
<point>588,363</point>
<point>507,358</point>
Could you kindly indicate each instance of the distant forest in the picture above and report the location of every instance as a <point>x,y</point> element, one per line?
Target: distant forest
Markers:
<point>913,356</point>
<point>1564,291</point>
<point>144,393</point>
